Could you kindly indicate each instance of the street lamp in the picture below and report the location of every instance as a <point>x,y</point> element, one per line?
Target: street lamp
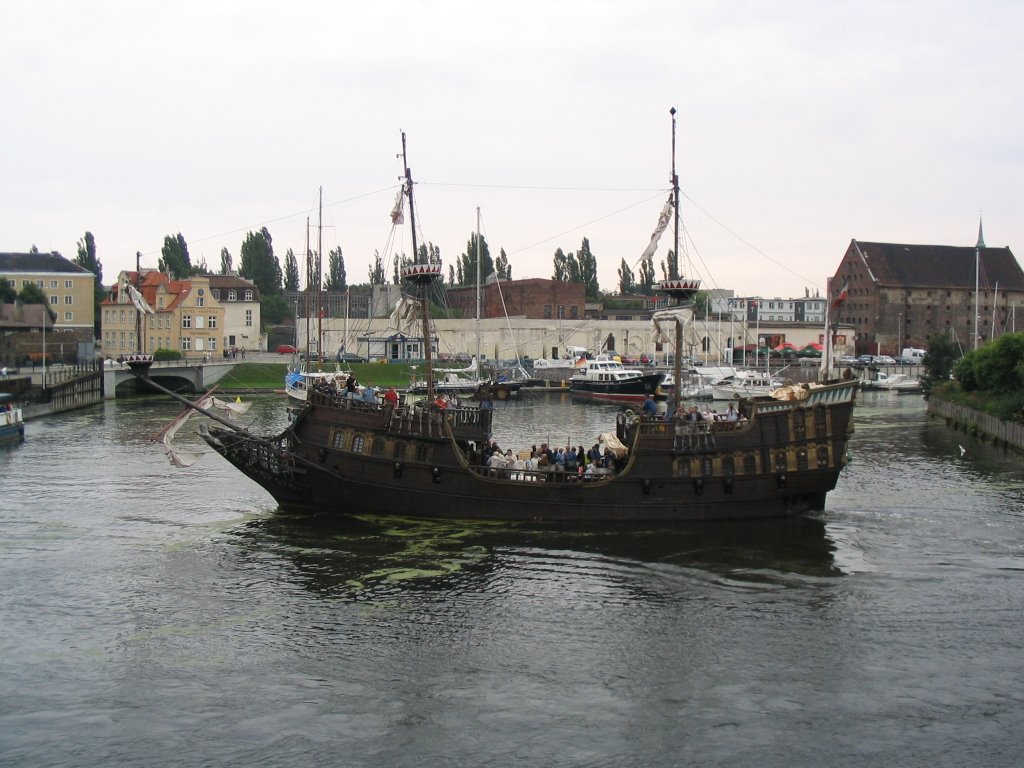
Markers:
<point>899,332</point>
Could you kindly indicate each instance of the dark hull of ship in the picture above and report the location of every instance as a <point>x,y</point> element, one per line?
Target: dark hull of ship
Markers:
<point>629,392</point>
<point>349,457</point>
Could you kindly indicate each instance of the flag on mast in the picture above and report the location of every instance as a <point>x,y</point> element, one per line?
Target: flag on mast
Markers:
<point>841,297</point>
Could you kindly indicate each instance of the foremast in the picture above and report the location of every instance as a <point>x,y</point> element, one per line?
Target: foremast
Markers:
<point>422,272</point>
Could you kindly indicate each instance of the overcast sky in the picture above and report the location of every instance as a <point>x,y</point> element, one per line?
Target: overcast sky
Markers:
<point>801,125</point>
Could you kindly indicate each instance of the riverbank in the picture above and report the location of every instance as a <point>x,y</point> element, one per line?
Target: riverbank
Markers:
<point>982,426</point>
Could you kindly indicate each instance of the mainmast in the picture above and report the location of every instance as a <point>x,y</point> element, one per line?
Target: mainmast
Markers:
<point>422,272</point>
<point>681,290</point>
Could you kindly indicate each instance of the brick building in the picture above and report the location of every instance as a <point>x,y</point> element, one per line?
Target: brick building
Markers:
<point>533,298</point>
<point>899,295</point>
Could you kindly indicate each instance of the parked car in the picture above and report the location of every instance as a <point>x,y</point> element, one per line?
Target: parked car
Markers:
<point>349,357</point>
<point>883,360</point>
<point>312,357</point>
<point>846,360</point>
<point>863,361</point>
<point>286,349</point>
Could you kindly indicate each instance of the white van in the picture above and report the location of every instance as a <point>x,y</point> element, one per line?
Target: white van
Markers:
<point>912,356</point>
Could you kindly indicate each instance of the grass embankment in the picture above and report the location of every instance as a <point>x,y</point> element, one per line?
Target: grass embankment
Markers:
<point>271,375</point>
<point>1002,405</point>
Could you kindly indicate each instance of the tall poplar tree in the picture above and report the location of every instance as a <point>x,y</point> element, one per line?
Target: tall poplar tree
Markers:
<point>226,265</point>
<point>87,259</point>
<point>175,261</point>
<point>627,283</point>
<point>336,278</point>
<point>258,263</point>
<point>291,271</point>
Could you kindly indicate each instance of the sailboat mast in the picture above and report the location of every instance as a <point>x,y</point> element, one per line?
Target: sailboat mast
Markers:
<point>309,284</point>
<point>478,292</point>
<point>423,280</point>
<point>677,364</point>
<point>320,284</point>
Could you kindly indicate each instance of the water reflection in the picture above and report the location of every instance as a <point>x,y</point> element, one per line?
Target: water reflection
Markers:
<point>359,557</point>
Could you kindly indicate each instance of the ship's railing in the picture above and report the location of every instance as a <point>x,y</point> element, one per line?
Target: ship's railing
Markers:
<point>549,475</point>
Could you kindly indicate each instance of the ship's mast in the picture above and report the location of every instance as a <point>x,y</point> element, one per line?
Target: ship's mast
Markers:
<point>422,272</point>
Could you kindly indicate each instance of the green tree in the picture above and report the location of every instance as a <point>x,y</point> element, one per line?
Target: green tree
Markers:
<point>467,261</point>
<point>996,367</point>
<point>376,272</point>
<point>274,309</point>
<point>7,293</point>
<point>225,261</point>
<point>291,271</point>
<point>502,267</point>
<point>87,259</point>
<point>561,265</point>
<point>647,276</point>
<point>943,354</point>
<point>175,261</point>
<point>587,265</point>
<point>627,282</point>
<point>670,266</point>
<point>33,294</point>
<point>336,278</point>
<point>259,264</point>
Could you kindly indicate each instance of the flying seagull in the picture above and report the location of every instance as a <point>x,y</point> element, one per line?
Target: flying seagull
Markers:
<point>962,449</point>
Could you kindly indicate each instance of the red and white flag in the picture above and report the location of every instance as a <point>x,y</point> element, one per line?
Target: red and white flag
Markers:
<point>841,296</point>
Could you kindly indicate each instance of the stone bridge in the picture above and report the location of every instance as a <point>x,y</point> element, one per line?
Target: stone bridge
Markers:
<point>173,374</point>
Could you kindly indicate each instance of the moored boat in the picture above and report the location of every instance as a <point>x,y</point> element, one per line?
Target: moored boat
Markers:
<point>609,381</point>
<point>12,425</point>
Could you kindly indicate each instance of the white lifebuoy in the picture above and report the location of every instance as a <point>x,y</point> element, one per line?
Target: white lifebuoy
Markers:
<point>628,413</point>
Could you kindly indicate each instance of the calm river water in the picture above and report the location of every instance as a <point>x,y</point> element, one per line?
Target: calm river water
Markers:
<point>153,616</point>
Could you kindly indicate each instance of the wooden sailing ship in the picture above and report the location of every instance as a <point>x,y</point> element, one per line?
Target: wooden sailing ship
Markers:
<point>342,455</point>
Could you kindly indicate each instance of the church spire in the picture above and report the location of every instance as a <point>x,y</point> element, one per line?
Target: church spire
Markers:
<point>981,237</point>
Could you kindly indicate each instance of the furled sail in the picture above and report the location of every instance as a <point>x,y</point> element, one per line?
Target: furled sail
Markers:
<point>663,219</point>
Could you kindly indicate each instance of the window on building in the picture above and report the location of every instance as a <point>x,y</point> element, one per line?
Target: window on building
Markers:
<point>68,284</point>
<point>200,301</point>
<point>53,299</point>
<point>69,316</point>
<point>248,295</point>
<point>53,283</point>
<point>186,321</point>
<point>213,322</point>
<point>186,343</point>
<point>248,317</point>
<point>547,311</point>
<point>69,299</point>
<point>200,322</point>
<point>574,312</point>
<point>232,295</point>
<point>122,316</point>
<point>39,283</point>
<point>216,293</point>
<point>212,344</point>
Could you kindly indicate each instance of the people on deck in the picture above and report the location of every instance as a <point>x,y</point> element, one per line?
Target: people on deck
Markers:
<point>649,408</point>
<point>731,414</point>
<point>391,397</point>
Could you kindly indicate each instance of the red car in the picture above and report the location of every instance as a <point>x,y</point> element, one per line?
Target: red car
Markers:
<point>286,349</point>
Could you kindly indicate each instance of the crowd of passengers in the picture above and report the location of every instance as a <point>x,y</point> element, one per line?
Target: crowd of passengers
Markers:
<point>658,410</point>
<point>565,462</point>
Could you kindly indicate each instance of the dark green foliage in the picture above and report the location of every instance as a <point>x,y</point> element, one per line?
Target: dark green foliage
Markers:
<point>175,261</point>
<point>996,367</point>
<point>336,278</point>
<point>7,293</point>
<point>467,261</point>
<point>291,271</point>
<point>670,267</point>
<point>225,261</point>
<point>274,309</point>
<point>502,267</point>
<point>166,354</point>
<point>627,283</point>
<point>647,276</point>
<point>586,265</point>
<point>259,264</point>
<point>86,258</point>
<point>943,354</point>
<point>376,273</point>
